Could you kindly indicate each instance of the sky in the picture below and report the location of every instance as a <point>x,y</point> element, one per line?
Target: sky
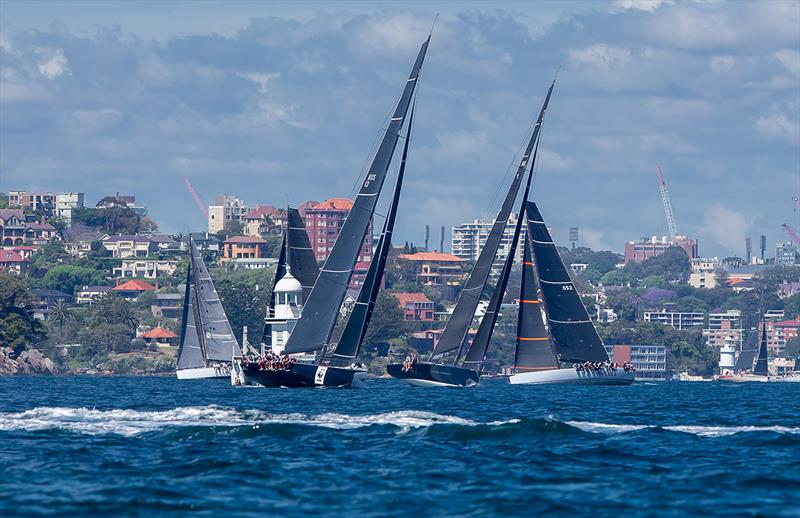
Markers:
<point>280,103</point>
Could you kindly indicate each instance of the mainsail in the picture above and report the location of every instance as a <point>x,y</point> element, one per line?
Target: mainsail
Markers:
<point>573,333</point>
<point>534,350</point>
<point>313,330</point>
<point>219,343</point>
<point>761,367</point>
<point>190,350</point>
<point>455,332</point>
<point>280,271</point>
<point>300,255</point>
<point>356,328</point>
<point>745,360</point>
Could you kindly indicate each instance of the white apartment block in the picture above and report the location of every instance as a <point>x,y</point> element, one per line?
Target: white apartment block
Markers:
<point>145,269</point>
<point>679,320</point>
<point>468,240</point>
<point>225,209</point>
<point>58,204</point>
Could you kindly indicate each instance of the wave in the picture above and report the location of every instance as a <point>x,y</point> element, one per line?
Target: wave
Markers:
<point>133,422</point>
<point>699,430</point>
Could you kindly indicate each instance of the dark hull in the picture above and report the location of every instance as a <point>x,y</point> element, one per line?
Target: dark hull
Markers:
<point>302,375</point>
<point>432,375</point>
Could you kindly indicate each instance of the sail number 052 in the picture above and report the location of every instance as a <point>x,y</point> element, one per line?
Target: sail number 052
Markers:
<point>567,287</point>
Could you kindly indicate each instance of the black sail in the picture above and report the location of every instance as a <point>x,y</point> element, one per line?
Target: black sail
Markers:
<point>534,350</point>
<point>190,349</point>
<point>455,332</point>
<point>761,367</point>
<point>744,362</point>
<point>356,328</point>
<point>300,255</point>
<point>280,271</point>
<point>574,335</point>
<point>313,330</point>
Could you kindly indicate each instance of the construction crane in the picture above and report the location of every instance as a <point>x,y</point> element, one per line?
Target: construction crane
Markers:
<point>199,203</point>
<point>795,237</point>
<point>662,184</point>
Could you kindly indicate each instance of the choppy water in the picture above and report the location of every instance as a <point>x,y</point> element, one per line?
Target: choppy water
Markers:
<point>153,446</point>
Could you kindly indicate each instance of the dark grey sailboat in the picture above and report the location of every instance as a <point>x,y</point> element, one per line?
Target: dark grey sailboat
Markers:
<point>207,343</point>
<point>573,337</point>
<point>760,372</point>
<point>454,336</point>
<point>313,330</point>
<point>744,362</point>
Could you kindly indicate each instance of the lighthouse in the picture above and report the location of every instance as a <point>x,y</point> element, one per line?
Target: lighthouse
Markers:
<point>288,308</point>
<point>727,357</point>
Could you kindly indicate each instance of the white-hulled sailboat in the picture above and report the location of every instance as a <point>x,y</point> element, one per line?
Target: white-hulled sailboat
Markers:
<point>207,343</point>
<point>760,371</point>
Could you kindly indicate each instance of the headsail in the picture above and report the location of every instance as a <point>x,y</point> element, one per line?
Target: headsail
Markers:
<point>744,362</point>
<point>190,350</point>
<point>573,333</point>
<point>313,330</point>
<point>300,255</point>
<point>356,328</point>
<point>534,350</point>
<point>218,339</point>
<point>761,368</point>
<point>455,332</point>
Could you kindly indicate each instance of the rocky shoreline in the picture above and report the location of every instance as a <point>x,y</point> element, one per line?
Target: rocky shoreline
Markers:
<point>28,362</point>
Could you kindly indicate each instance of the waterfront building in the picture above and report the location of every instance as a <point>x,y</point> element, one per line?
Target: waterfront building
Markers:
<point>468,240</point>
<point>160,336</point>
<point>416,307</point>
<point>679,320</point>
<point>324,221</point>
<point>724,325</point>
<point>226,209</point>
<point>650,361</point>
<point>243,247</point>
<point>779,333</point>
<point>145,268</point>
<point>652,247</point>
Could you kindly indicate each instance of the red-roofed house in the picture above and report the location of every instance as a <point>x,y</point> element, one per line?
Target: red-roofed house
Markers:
<point>323,223</point>
<point>243,247</point>
<point>160,336</point>
<point>436,268</point>
<point>416,307</point>
<point>262,219</point>
<point>12,262</point>
<point>133,289</point>
<point>26,251</point>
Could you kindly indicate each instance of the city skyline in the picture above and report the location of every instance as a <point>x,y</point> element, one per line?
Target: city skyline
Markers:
<point>100,101</point>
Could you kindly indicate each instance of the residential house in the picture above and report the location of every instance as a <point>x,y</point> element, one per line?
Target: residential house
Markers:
<point>78,239</point>
<point>145,268</point>
<point>26,251</point>
<point>88,294</point>
<point>123,246</point>
<point>416,307</point>
<point>17,229</point>
<point>243,247</point>
<point>324,221</point>
<point>436,268</point>
<point>167,305</point>
<point>51,297</point>
<point>262,220</point>
<point>12,262</point>
<point>160,336</point>
<point>132,289</point>
<point>703,274</point>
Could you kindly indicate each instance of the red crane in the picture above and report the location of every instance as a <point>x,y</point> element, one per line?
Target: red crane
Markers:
<point>792,234</point>
<point>197,200</point>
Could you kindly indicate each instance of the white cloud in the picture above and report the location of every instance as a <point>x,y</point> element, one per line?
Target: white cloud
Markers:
<point>778,126</point>
<point>640,5</point>
<point>790,58</point>
<point>725,226</point>
<point>721,64</point>
<point>261,80</point>
<point>601,56</point>
<point>55,64</point>
<point>550,161</point>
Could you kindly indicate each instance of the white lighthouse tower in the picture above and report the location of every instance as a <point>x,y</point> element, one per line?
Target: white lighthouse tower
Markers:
<point>727,357</point>
<point>288,308</point>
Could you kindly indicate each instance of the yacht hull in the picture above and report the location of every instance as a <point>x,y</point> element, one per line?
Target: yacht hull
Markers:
<point>745,378</point>
<point>790,377</point>
<point>572,377</point>
<point>432,375</point>
<point>221,371</point>
<point>303,375</point>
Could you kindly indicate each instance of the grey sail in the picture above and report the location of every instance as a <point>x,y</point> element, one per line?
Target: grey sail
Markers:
<point>480,344</point>
<point>218,339</point>
<point>280,271</point>
<point>356,328</point>
<point>190,349</point>
<point>300,255</point>
<point>744,362</point>
<point>312,332</point>
<point>455,333</point>
<point>761,368</point>
<point>574,335</point>
<point>534,349</point>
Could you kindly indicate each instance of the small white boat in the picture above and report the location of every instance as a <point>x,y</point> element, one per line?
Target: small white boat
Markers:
<point>745,378</point>
<point>616,376</point>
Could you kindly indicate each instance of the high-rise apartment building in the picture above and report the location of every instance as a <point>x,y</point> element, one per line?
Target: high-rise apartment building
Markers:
<point>51,204</point>
<point>323,223</point>
<point>225,210</point>
<point>468,240</point>
<point>785,254</point>
<point>722,326</point>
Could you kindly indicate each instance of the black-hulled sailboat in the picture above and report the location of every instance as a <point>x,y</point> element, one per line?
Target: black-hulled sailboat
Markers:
<point>207,343</point>
<point>571,339</point>
<point>466,373</point>
<point>312,331</point>
<point>760,370</point>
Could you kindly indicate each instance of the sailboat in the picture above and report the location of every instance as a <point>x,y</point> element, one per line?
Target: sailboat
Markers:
<point>207,343</point>
<point>312,331</point>
<point>760,370</point>
<point>454,336</point>
<point>555,329</point>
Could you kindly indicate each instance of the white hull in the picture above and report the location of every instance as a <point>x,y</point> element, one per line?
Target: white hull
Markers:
<point>426,383</point>
<point>745,378</point>
<point>791,377</point>
<point>222,371</point>
<point>573,377</point>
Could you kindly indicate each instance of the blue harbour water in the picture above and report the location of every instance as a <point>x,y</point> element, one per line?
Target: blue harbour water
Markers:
<point>156,446</point>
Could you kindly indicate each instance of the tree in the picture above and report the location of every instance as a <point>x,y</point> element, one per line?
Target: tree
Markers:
<point>18,327</point>
<point>114,220</point>
<point>59,313</point>
<point>386,322</point>
<point>244,304</point>
<point>66,278</point>
<point>791,306</point>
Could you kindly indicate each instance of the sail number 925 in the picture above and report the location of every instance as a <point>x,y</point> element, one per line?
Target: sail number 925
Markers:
<point>370,178</point>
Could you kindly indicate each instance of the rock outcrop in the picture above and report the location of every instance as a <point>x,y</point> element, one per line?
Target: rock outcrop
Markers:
<point>27,362</point>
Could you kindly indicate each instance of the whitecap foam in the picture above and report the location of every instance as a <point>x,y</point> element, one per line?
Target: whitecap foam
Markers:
<point>699,430</point>
<point>134,422</point>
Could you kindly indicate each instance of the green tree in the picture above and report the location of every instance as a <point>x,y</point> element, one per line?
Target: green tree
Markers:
<point>386,322</point>
<point>791,306</point>
<point>60,314</point>
<point>245,305</point>
<point>18,327</point>
<point>66,278</point>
